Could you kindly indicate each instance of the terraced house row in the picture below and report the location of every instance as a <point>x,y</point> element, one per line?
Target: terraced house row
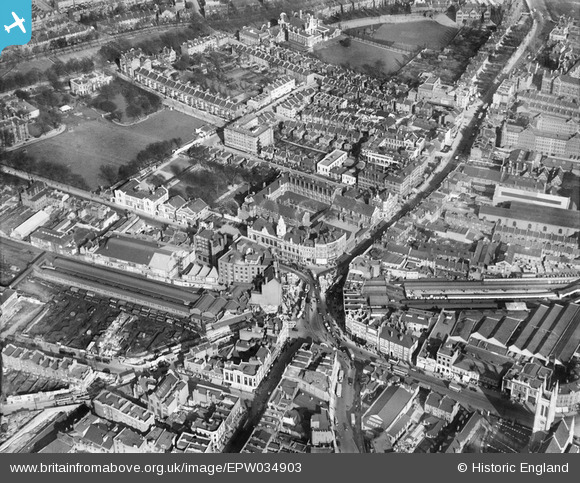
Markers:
<point>191,96</point>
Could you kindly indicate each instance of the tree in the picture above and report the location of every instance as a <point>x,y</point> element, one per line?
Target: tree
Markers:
<point>182,63</point>
<point>48,120</point>
<point>107,106</point>
<point>345,42</point>
<point>111,52</point>
<point>133,111</point>
<point>6,137</point>
<point>116,116</point>
<point>24,95</point>
<point>109,174</point>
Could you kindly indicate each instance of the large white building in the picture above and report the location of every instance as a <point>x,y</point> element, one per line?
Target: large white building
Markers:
<point>247,376</point>
<point>146,258</point>
<point>332,160</point>
<point>249,135</point>
<point>503,194</point>
<point>321,245</point>
<point>280,87</point>
<point>87,84</point>
<point>201,44</point>
<point>141,197</point>
<point>306,30</point>
<point>31,224</point>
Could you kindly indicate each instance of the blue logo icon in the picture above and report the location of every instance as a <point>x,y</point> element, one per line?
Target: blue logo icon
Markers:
<point>15,22</point>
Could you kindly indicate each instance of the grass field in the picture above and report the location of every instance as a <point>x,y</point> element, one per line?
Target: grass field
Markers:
<point>358,55</point>
<point>563,7</point>
<point>426,33</point>
<point>25,66</point>
<point>91,141</point>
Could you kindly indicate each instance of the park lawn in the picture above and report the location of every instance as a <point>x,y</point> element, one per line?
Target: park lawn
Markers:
<point>121,104</point>
<point>424,33</point>
<point>24,66</point>
<point>358,55</point>
<point>563,7</point>
<point>92,141</point>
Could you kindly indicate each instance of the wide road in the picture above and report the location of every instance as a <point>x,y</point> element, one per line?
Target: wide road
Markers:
<point>476,399</point>
<point>312,326</point>
<point>348,438</point>
<point>460,149</point>
<point>459,152</point>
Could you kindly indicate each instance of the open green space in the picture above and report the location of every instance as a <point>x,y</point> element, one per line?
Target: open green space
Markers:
<point>563,7</point>
<point>424,34</point>
<point>92,141</point>
<point>360,56</point>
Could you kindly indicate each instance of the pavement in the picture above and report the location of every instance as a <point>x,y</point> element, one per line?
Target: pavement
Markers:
<point>316,312</point>
<point>345,406</point>
<point>486,401</point>
<point>311,326</point>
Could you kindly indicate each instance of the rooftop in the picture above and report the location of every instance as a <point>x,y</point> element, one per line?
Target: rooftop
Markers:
<point>535,213</point>
<point>388,406</point>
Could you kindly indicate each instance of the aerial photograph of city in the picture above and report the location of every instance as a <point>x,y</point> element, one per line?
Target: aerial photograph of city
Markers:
<point>290,226</point>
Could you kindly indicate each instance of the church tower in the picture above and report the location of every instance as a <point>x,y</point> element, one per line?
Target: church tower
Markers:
<point>545,409</point>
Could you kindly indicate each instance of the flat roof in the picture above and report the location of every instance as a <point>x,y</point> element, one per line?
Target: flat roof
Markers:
<point>332,157</point>
<point>134,283</point>
<point>133,250</point>
<point>536,213</point>
<point>119,292</point>
<point>389,405</point>
<point>532,196</point>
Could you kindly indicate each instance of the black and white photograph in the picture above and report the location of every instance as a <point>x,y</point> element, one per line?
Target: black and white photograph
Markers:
<point>276,228</point>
